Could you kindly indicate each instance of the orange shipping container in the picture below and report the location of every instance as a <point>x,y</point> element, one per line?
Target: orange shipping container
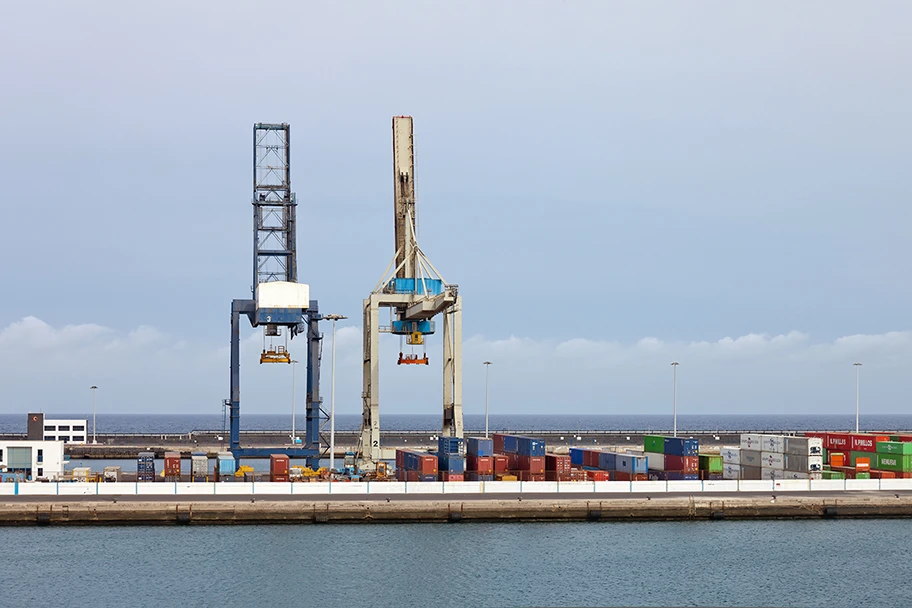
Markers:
<point>837,459</point>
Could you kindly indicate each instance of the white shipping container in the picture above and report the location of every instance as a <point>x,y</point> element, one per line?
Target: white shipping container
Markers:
<point>283,294</point>
<point>802,475</point>
<point>751,442</point>
<point>774,443</point>
<point>655,462</point>
<point>803,463</point>
<point>731,471</point>
<point>769,473</point>
<point>772,460</point>
<point>730,455</point>
<point>751,458</point>
<point>804,446</point>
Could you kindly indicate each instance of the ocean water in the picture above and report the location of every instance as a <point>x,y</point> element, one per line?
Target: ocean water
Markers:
<point>172,424</point>
<point>774,563</point>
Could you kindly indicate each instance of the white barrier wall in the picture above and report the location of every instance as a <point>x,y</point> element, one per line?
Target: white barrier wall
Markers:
<point>439,488</point>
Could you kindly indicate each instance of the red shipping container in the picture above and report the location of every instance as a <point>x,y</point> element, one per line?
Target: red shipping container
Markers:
<point>480,464</point>
<point>172,464</point>
<point>905,438</point>
<point>533,464</point>
<point>684,464</point>
<point>498,443</point>
<point>599,475</point>
<point>278,465</point>
<point>400,458</point>
<point>555,462</point>
<point>591,458</point>
<point>865,442</point>
<point>501,463</point>
<point>640,477</point>
<point>447,476</point>
<point>555,476</point>
<point>839,442</point>
<point>902,474</point>
<point>621,476</point>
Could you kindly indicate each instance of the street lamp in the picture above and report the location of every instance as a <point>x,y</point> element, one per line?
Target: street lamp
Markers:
<point>674,365</point>
<point>857,370</point>
<point>332,394</point>
<point>93,388</point>
<point>487,365</point>
<point>293,401</point>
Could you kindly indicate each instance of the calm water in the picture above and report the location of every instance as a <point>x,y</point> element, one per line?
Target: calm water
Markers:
<point>133,423</point>
<point>808,563</point>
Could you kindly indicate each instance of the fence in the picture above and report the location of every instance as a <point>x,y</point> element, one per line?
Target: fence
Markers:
<point>445,488</point>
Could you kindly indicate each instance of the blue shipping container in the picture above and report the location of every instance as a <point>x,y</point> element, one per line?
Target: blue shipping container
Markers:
<point>528,446</point>
<point>511,444</point>
<point>607,461</point>
<point>630,464</point>
<point>576,456</point>
<point>480,446</point>
<point>451,463</point>
<point>427,478</point>
<point>676,446</point>
<point>226,465</point>
<point>450,445</point>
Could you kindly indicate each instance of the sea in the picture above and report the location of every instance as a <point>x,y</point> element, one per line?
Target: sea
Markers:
<point>727,563</point>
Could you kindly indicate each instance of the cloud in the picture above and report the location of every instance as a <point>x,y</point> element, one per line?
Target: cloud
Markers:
<point>149,371</point>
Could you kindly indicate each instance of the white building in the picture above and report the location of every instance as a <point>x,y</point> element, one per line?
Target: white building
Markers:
<point>67,431</point>
<point>35,459</point>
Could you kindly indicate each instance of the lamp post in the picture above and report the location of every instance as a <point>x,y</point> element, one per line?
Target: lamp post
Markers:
<point>487,365</point>
<point>857,370</point>
<point>674,366</point>
<point>93,388</point>
<point>332,394</point>
<point>293,401</point>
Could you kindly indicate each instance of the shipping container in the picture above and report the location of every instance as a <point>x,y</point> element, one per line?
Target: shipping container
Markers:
<point>446,476</point>
<point>894,447</point>
<point>673,476</point>
<point>510,444</point>
<point>686,464</point>
<point>772,460</point>
<point>555,476</point>
<point>533,464</point>
<point>199,468</point>
<point>837,459</point>
<point>773,443</point>
<point>707,476</point>
<point>862,474</point>
<point>711,463</point>
<point>632,464</point>
<point>597,475</point>
<point>450,445</point>
<point>894,462</point>
<point>480,464</point>
<point>226,463</point>
<point>730,455</point>
<point>803,463</point>
<point>749,473</point>
<point>479,446</point>
<point>802,475</point>
<point>592,458</point>
<point>678,446</point>
<point>576,456</point>
<point>172,464</point>
<point>752,442</point>
<point>866,442</point>
<point>654,443</point>
<point>501,463</point>
<point>838,442</point>
<point>731,471</point>
<point>854,457</point>
<point>278,467</point>
<point>804,446</point>
<point>451,463</point>
<point>476,476</point>
<point>656,461</point>
<point>832,475</point>
<point>751,458</point>
<point>145,466</point>
<point>903,474</point>
<point>529,446</point>
<point>875,474</point>
<point>607,461</point>
<point>558,463</point>
<point>771,473</point>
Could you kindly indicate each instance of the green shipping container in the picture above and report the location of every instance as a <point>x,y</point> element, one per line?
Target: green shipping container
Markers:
<point>830,474</point>
<point>862,475</point>
<point>893,447</point>
<point>894,462</point>
<point>853,456</point>
<point>654,443</point>
<point>711,463</point>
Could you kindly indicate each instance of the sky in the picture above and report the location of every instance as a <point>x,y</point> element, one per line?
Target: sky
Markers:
<point>612,185</point>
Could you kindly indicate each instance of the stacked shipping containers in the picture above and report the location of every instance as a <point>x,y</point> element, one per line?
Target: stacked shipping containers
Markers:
<point>773,457</point>
<point>671,458</point>
<point>412,465</point>
<point>145,466</point>
<point>525,456</point>
<point>451,460</point>
<point>479,459</point>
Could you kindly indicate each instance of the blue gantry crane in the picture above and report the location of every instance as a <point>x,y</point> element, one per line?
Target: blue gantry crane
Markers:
<point>280,305</point>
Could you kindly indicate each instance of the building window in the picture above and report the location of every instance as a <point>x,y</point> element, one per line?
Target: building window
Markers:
<point>40,457</point>
<point>79,438</point>
<point>50,427</point>
<point>80,427</point>
<point>40,472</point>
<point>50,438</point>
<point>63,438</point>
<point>63,427</point>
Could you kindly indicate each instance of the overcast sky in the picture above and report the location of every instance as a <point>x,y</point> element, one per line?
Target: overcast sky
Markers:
<point>612,185</point>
